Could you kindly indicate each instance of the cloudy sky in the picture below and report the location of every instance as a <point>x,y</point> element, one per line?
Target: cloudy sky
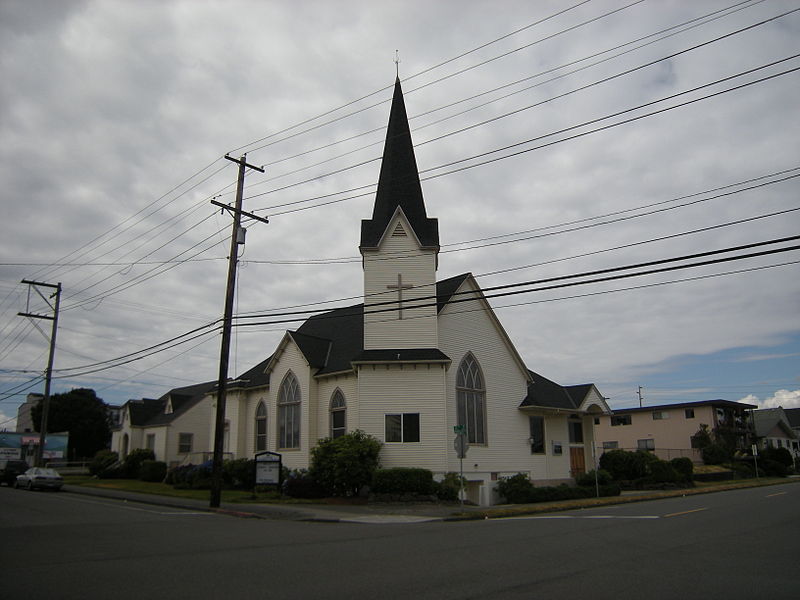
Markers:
<point>553,138</point>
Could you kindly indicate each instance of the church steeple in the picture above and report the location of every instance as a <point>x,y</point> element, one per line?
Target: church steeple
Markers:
<point>398,184</point>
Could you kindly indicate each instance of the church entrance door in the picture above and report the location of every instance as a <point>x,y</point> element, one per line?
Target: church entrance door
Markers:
<point>577,461</point>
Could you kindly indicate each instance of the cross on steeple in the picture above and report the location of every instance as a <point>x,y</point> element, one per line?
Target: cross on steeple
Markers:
<point>399,287</point>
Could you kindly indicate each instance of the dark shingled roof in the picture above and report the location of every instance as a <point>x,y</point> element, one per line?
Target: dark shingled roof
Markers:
<point>578,392</point>
<point>402,355</point>
<point>398,183</point>
<point>255,377</point>
<point>793,416</point>
<point>149,412</point>
<point>548,394</point>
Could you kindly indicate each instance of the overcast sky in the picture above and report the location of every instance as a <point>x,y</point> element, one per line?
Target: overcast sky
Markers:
<point>115,117</point>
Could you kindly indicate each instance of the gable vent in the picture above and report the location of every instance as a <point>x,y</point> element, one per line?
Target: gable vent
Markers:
<point>399,231</point>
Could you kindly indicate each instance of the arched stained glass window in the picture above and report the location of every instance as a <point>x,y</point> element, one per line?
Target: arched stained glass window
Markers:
<point>261,427</point>
<point>471,400</point>
<point>338,414</point>
<point>289,412</point>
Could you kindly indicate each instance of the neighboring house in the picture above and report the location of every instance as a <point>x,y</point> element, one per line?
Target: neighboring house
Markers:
<point>669,429</point>
<point>773,429</point>
<point>417,358</point>
<point>793,416</point>
<point>174,427</point>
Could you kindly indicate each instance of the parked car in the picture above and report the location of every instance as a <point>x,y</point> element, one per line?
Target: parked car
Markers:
<point>39,478</point>
<point>10,468</point>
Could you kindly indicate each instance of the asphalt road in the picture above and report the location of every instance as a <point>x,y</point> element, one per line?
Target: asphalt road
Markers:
<point>738,544</point>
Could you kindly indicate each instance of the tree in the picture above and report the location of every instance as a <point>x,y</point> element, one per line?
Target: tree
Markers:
<point>81,413</point>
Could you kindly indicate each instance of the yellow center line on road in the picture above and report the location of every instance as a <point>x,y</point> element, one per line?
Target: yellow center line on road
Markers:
<point>777,494</point>
<point>685,512</point>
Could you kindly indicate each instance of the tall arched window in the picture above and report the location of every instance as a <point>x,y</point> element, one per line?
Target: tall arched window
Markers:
<point>338,414</point>
<point>471,400</point>
<point>261,427</point>
<point>289,412</point>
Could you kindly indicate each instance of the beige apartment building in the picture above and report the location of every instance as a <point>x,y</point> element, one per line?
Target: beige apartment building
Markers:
<point>669,429</point>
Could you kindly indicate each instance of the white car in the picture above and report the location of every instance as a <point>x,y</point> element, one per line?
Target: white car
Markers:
<point>39,478</point>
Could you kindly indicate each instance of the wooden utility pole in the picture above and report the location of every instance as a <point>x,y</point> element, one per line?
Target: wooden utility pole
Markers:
<point>237,237</point>
<point>49,373</point>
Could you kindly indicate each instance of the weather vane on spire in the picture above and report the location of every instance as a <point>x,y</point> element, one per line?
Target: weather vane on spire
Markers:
<point>397,62</point>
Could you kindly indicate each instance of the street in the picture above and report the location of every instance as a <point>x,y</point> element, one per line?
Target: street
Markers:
<point>737,544</point>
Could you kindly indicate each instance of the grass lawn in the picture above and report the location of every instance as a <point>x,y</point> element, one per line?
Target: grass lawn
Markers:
<point>163,489</point>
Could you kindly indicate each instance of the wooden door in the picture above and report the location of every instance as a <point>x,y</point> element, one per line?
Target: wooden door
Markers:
<point>577,461</point>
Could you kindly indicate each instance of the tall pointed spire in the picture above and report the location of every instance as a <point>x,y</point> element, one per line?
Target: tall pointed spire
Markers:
<point>398,184</point>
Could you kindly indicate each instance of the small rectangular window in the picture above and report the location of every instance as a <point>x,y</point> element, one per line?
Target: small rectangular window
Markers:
<point>402,428</point>
<point>185,443</point>
<point>617,420</point>
<point>536,425</point>
<point>659,415</point>
<point>689,413</point>
<point>610,445</point>
<point>150,441</point>
<point>648,444</point>
<point>575,432</point>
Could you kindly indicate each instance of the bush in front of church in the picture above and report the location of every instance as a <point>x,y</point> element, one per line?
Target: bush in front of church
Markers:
<point>342,466</point>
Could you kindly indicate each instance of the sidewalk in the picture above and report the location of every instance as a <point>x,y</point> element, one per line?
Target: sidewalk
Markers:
<point>380,512</point>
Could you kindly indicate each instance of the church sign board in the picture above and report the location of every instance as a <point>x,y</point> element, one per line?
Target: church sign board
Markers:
<point>268,468</point>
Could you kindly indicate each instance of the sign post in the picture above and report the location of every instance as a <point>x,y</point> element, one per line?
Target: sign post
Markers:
<point>461,445</point>
<point>755,458</point>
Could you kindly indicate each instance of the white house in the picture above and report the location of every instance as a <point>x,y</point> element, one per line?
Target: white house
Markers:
<point>415,359</point>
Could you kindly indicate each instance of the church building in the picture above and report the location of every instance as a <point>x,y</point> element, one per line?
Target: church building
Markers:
<point>416,359</point>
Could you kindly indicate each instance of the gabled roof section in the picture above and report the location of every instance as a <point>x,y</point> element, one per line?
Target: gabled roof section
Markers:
<point>257,376</point>
<point>767,419</point>
<point>398,184</point>
<point>148,412</point>
<point>793,416</point>
<point>544,393</point>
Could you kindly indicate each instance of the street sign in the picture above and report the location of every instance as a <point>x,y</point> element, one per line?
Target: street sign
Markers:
<point>461,445</point>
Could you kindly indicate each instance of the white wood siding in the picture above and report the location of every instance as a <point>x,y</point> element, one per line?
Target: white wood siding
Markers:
<point>418,327</point>
<point>395,389</point>
<point>326,386</point>
<point>463,329</point>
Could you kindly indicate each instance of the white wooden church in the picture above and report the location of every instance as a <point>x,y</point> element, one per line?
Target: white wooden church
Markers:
<point>417,358</point>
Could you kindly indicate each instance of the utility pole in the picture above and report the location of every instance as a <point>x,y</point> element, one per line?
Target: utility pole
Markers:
<point>640,396</point>
<point>49,373</point>
<point>237,237</point>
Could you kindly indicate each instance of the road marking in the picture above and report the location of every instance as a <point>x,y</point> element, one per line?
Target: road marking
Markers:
<point>777,494</point>
<point>685,512</point>
<point>553,517</point>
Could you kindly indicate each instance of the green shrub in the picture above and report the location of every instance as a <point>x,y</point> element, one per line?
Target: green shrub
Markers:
<point>781,455</point>
<point>102,463</point>
<point>190,477</point>
<point>773,468</point>
<point>449,487</point>
<point>517,489</point>
<point>152,470</point>
<point>133,462</point>
<point>625,466</point>
<point>300,484</point>
<point>662,472</point>
<point>239,474</point>
<point>715,454</point>
<point>684,466</point>
<point>343,465</point>
<point>588,479</point>
<point>403,480</point>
